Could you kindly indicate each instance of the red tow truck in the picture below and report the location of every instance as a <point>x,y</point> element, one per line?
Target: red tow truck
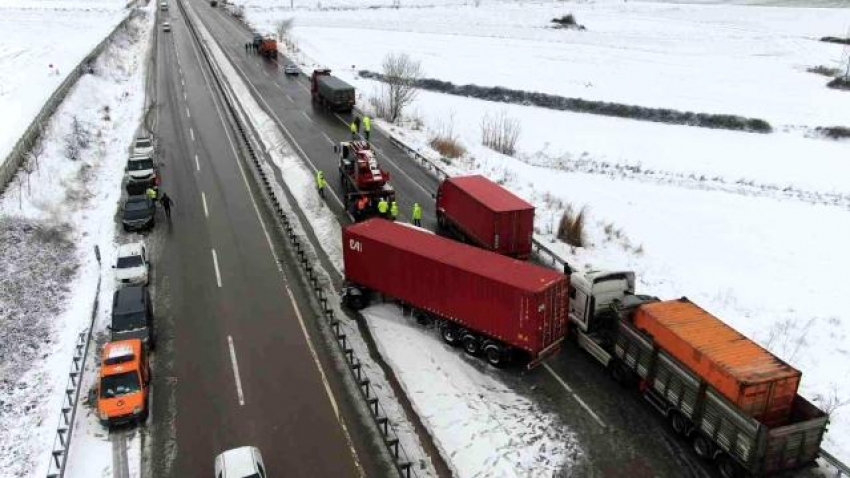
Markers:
<point>362,179</point>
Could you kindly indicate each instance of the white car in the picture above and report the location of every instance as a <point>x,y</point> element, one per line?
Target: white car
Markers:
<point>166,27</point>
<point>141,169</point>
<point>291,69</point>
<point>144,144</point>
<point>242,462</point>
<point>132,264</point>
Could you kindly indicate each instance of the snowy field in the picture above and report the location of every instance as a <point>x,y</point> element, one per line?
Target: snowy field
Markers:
<point>35,35</point>
<point>70,207</point>
<point>752,227</point>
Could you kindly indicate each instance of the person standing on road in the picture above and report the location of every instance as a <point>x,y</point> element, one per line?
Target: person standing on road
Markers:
<point>393,208</point>
<point>383,207</point>
<point>417,214</point>
<point>357,123</point>
<point>321,183</point>
<point>362,204</point>
<point>166,202</point>
<point>367,126</point>
<point>151,194</point>
<point>353,128</point>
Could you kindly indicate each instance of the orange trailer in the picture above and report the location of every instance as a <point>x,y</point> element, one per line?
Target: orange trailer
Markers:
<point>752,378</point>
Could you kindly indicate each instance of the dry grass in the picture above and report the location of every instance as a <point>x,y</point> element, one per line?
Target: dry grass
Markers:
<point>444,139</point>
<point>500,132</point>
<point>571,227</point>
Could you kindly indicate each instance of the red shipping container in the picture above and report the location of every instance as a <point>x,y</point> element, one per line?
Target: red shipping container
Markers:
<point>518,303</point>
<point>487,214</point>
<point>759,383</point>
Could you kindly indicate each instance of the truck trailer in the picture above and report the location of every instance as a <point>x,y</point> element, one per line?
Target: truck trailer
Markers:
<point>330,92</point>
<point>733,400</point>
<point>488,303</point>
<point>479,211</point>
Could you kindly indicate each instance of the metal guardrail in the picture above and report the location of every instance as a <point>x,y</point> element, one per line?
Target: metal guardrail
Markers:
<point>287,223</point>
<point>548,255</point>
<point>9,167</point>
<point>64,431</point>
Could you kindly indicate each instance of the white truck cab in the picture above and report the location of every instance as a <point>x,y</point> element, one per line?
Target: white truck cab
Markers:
<point>591,296</point>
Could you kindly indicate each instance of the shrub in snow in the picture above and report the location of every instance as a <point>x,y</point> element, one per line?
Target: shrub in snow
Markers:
<point>840,83</point>
<point>841,41</point>
<point>77,140</point>
<point>444,139</point>
<point>824,70</point>
<point>567,21</point>
<point>571,227</point>
<point>500,132</point>
<point>834,132</point>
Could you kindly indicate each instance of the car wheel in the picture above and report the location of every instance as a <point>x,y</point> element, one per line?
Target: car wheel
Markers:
<point>727,467</point>
<point>678,423</point>
<point>703,446</point>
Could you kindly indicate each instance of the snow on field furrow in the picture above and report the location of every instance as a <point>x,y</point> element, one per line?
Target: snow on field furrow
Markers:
<point>79,197</point>
<point>715,59</point>
<point>36,35</point>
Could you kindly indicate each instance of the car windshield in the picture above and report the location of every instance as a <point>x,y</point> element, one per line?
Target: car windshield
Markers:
<point>141,164</point>
<point>130,261</point>
<point>128,321</point>
<point>112,386</point>
<point>136,205</point>
<point>144,143</point>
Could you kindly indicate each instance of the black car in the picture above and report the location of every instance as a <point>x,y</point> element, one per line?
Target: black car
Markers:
<point>139,212</point>
<point>132,315</point>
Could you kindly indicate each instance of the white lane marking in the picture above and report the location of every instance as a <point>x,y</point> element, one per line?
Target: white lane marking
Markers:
<point>307,116</point>
<point>327,137</point>
<point>574,395</point>
<point>206,211</point>
<point>188,114</point>
<point>184,97</point>
<point>236,370</point>
<point>192,133</point>
<point>197,163</point>
<point>309,341</point>
<point>215,263</point>
<point>182,82</point>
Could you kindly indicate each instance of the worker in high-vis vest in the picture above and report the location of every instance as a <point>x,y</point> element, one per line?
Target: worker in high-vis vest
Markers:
<point>353,128</point>
<point>417,214</point>
<point>393,210</point>
<point>383,207</point>
<point>321,183</point>
<point>367,126</point>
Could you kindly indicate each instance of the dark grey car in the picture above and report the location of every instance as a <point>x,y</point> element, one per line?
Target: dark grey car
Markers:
<point>138,214</point>
<point>132,316</point>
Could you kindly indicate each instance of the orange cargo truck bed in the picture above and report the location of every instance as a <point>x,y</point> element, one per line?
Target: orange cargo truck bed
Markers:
<point>761,384</point>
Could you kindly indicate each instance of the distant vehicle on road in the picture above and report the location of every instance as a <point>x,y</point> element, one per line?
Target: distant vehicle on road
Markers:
<point>242,462</point>
<point>122,390</point>
<point>267,47</point>
<point>166,27</point>
<point>331,92</point>
<point>291,69</point>
<point>143,146</point>
<point>132,315</point>
<point>213,3</point>
<point>132,264</point>
<point>163,6</point>
<point>138,214</point>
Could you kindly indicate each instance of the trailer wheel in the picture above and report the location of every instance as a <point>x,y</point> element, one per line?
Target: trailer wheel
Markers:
<point>727,467</point>
<point>703,446</point>
<point>678,423</point>
<point>450,334</point>
<point>620,373</point>
<point>471,344</point>
<point>495,355</point>
<point>357,302</point>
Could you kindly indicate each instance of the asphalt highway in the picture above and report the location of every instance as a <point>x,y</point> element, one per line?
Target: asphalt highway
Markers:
<point>238,362</point>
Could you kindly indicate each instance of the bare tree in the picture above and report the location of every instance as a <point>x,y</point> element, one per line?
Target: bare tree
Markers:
<point>500,133</point>
<point>37,148</point>
<point>283,27</point>
<point>401,72</point>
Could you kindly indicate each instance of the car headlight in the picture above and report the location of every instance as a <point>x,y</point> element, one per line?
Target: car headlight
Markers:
<point>137,410</point>
<point>103,415</point>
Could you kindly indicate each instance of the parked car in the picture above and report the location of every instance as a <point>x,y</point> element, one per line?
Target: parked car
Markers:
<point>166,27</point>
<point>163,6</point>
<point>291,69</point>
<point>242,462</point>
<point>144,144</point>
<point>142,169</point>
<point>132,264</point>
<point>132,315</point>
<point>138,214</point>
<point>122,390</point>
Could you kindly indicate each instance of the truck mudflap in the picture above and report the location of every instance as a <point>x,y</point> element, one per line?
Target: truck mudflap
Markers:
<point>546,353</point>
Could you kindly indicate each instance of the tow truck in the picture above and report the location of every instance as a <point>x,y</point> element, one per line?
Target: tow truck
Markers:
<point>361,176</point>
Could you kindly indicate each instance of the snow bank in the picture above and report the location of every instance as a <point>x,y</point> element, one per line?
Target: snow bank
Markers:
<point>80,196</point>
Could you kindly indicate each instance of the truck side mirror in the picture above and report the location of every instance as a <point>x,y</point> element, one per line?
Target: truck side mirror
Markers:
<point>336,149</point>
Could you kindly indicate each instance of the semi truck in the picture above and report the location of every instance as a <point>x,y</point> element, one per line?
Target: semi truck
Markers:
<point>481,212</point>
<point>489,304</point>
<point>330,92</point>
<point>735,402</point>
<point>362,178</point>
<point>267,47</point>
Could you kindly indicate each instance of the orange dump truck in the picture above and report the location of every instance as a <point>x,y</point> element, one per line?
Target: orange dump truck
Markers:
<point>268,47</point>
<point>735,402</point>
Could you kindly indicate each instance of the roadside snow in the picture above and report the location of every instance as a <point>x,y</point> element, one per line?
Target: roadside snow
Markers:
<point>36,35</point>
<point>752,227</point>
<point>482,425</point>
<point>80,198</point>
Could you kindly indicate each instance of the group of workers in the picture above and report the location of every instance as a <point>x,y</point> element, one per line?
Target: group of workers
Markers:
<point>250,47</point>
<point>386,209</point>
<point>366,122</point>
<point>153,194</point>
